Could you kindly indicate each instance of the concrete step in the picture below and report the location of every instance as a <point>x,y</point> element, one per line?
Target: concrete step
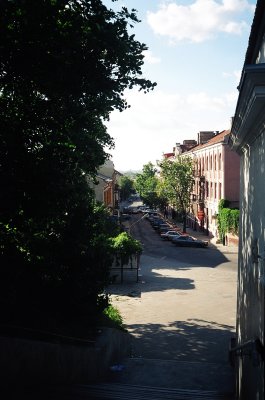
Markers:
<point>175,374</point>
<point>114,391</point>
<point>147,379</point>
<point>110,391</point>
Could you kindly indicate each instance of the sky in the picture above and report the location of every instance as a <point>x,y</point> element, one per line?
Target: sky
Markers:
<point>196,51</point>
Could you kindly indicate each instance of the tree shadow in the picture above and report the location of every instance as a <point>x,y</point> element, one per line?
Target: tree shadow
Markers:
<point>193,340</point>
<point>150,282</point>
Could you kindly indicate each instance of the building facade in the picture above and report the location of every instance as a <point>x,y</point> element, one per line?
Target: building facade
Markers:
<point>107,189</point>
<point>248,140</point>
<point>216,176</point>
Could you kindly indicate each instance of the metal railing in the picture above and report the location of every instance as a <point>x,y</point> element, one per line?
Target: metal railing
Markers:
<point>21,332</point>
<point>252,348</point>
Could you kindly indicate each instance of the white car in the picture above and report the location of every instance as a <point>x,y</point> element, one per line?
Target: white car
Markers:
<point>169,235</point>
<point>189,241</point>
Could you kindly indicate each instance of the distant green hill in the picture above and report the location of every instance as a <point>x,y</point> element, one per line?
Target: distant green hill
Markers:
<point>131,174</point>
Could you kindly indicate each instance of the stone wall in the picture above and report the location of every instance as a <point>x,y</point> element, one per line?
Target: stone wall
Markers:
<point>33,361</point>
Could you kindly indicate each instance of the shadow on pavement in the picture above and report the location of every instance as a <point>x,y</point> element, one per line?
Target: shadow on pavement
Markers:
<point>192,340</point>
<point>156,283</point>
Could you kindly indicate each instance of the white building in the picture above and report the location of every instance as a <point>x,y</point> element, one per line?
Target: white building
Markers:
<point>248,140</point>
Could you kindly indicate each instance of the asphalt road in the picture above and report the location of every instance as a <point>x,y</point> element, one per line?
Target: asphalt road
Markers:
<point>154,246</point>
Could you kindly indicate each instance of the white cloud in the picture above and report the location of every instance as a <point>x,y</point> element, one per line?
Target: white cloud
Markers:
<point>199,21</point>
<point>236,75</point>
<point>157,120</point>
<point>204,102</point>
<point>231,98</point>
<point>149,58</point>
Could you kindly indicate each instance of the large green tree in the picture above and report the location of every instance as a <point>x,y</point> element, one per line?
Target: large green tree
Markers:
<point>146,184</point>
<point>177,179</point>
<point>64,66</point>
<point>127,187</point>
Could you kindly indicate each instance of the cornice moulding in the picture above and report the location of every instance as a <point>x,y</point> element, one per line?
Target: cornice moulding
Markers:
<point>249,118</point>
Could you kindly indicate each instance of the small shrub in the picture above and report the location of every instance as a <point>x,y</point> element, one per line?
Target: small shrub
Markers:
<point>228,219</point>
<point>112,318</point>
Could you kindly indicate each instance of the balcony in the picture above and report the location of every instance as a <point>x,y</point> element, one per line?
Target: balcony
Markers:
<point>194,198</point>
<point>198,199</point>
<point>199,174</point>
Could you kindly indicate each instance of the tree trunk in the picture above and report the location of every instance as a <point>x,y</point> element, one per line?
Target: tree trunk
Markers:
<point>184,221</point>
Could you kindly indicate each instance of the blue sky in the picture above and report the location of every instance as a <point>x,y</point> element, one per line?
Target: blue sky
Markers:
<point>196,51</point>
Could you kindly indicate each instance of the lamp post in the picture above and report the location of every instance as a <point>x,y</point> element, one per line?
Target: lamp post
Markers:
<point>136,222</point>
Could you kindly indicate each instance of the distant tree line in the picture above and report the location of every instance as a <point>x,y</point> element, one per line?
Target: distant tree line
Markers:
<point>170,183</point>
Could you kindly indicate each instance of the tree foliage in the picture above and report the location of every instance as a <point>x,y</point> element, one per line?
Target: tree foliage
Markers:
<point>146,185</point>
<point>125,246</point>
<point>64,67</point>
<point>177,179</point>
<point>127,187</point>
<point>227,219</point>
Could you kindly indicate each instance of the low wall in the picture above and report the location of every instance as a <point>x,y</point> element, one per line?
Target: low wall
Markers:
<point>232,240</point>
<point>33,361</point>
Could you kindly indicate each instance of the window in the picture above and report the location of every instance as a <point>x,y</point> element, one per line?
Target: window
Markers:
<point>220,161</point>
<point>206,189</point>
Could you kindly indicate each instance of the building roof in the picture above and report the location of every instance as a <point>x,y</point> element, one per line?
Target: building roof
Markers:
<point>218,138</point>
<point>104,177</point>
<point>256,34</point>
<point>168,155</point>
<point>118,172</point>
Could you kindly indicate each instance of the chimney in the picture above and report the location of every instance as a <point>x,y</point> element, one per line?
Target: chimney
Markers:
<point>205,136</point>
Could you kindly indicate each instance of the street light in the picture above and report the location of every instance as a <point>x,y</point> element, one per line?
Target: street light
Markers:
<point>144,216</point>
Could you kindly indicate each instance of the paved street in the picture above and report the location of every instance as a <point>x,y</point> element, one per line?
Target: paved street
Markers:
<point>182,309</point>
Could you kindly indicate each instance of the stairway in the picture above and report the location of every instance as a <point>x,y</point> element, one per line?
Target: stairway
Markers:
<point>146,379</point>
<point>175,374</point>
<point>116,391</point>
<point>142,379</point>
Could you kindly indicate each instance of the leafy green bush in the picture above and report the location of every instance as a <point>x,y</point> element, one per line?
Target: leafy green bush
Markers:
<point>227,220</point>
<point>223,203</point>
<point>124,246</point>
<point>112,317</point>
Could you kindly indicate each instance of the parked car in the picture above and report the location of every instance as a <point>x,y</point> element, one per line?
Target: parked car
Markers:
<point>143,209</point>
<point>152,218</point>
<point>157,225</point>
<point>156,222</point>
<point>132,210</point>
<point>162,228</point>
<point>152,213</point>
<point>169,235</point>
<point>189,241</point>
